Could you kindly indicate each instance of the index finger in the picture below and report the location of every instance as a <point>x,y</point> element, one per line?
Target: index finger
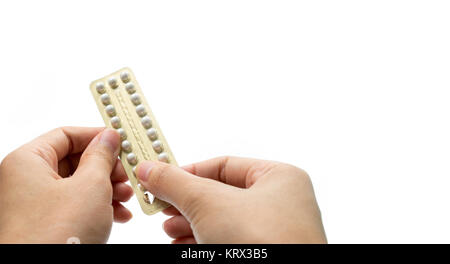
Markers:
<point>239,172</point>
<point>58,143</point>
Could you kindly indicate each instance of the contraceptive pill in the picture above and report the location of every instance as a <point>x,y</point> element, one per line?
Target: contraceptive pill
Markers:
<point>123,107</point>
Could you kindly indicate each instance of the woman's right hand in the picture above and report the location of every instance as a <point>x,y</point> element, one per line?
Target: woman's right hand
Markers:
<point>236,200</point>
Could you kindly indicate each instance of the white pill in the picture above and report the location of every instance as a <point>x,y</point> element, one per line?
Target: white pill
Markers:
<point>126,146</point>
<point>134,171</point>
<point>106,100</point>
<point>125,77</point>
<point>100,87</point>
<point>115,122</point>
<point>163,157</point>
<point>136,99</point>
<point>132,159</point>
<point>122,133</point>
<point>110,110</point>
<point>113,83</point>
<point>146,122</point>
<point>157,146</point>
<point>151,134</point>
<point>140,110</point>
<point>130,88</point>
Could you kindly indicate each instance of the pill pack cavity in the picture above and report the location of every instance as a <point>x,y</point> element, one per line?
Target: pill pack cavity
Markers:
<point>124,108</point>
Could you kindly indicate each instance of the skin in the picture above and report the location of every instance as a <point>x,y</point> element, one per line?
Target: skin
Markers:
<point>66,183</point>
<point>236,200</point>
<point>69,183</point>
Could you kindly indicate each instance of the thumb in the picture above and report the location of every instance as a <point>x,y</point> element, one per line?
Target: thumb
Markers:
<point>100,157</point>
<point>172,184</point>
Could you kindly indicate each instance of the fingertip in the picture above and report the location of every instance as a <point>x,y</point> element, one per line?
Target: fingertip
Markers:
<point>168,182</point>
<point>164,225</point>
<point>177,227</point>
<point>111,139</point>
<point>121,213</point>
<point>168,227</point>
<point>184,240</point>
<point>112,132</point>
<point>143,170</point>
<point>122,192</point>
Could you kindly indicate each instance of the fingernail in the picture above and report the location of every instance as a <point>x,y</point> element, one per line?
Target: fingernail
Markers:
<point>110,138</point>
<point>144,170</point>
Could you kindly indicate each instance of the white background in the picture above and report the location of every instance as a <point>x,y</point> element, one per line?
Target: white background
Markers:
<point>354,92</point>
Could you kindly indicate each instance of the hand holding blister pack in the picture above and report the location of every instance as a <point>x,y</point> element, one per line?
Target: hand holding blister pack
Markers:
<point>124,108</point>
<point>230,199</point>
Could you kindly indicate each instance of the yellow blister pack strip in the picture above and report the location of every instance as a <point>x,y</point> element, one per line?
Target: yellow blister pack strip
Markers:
<point>124,108</point>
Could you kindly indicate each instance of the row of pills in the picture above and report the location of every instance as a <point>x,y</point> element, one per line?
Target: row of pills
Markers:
<point>145,121</point>
<point>147,124</point>
<point>115,120</point>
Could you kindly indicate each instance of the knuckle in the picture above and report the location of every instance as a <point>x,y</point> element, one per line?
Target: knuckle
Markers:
<point>260,169</point>
<point>101,152</point>
<point>223,160</point>
<point>98,155</point>
<point>8,160</point>
<point>223,157</point>
<point>295,173</point>
<point>293,169</point>
<point>12,160</point>
<point>60,129</point>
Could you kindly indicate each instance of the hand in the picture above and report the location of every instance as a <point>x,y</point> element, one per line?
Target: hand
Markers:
<point>66,183</point>
<point>236,200</point>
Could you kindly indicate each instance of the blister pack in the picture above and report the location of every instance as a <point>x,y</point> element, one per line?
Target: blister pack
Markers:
<point>123,107</point>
